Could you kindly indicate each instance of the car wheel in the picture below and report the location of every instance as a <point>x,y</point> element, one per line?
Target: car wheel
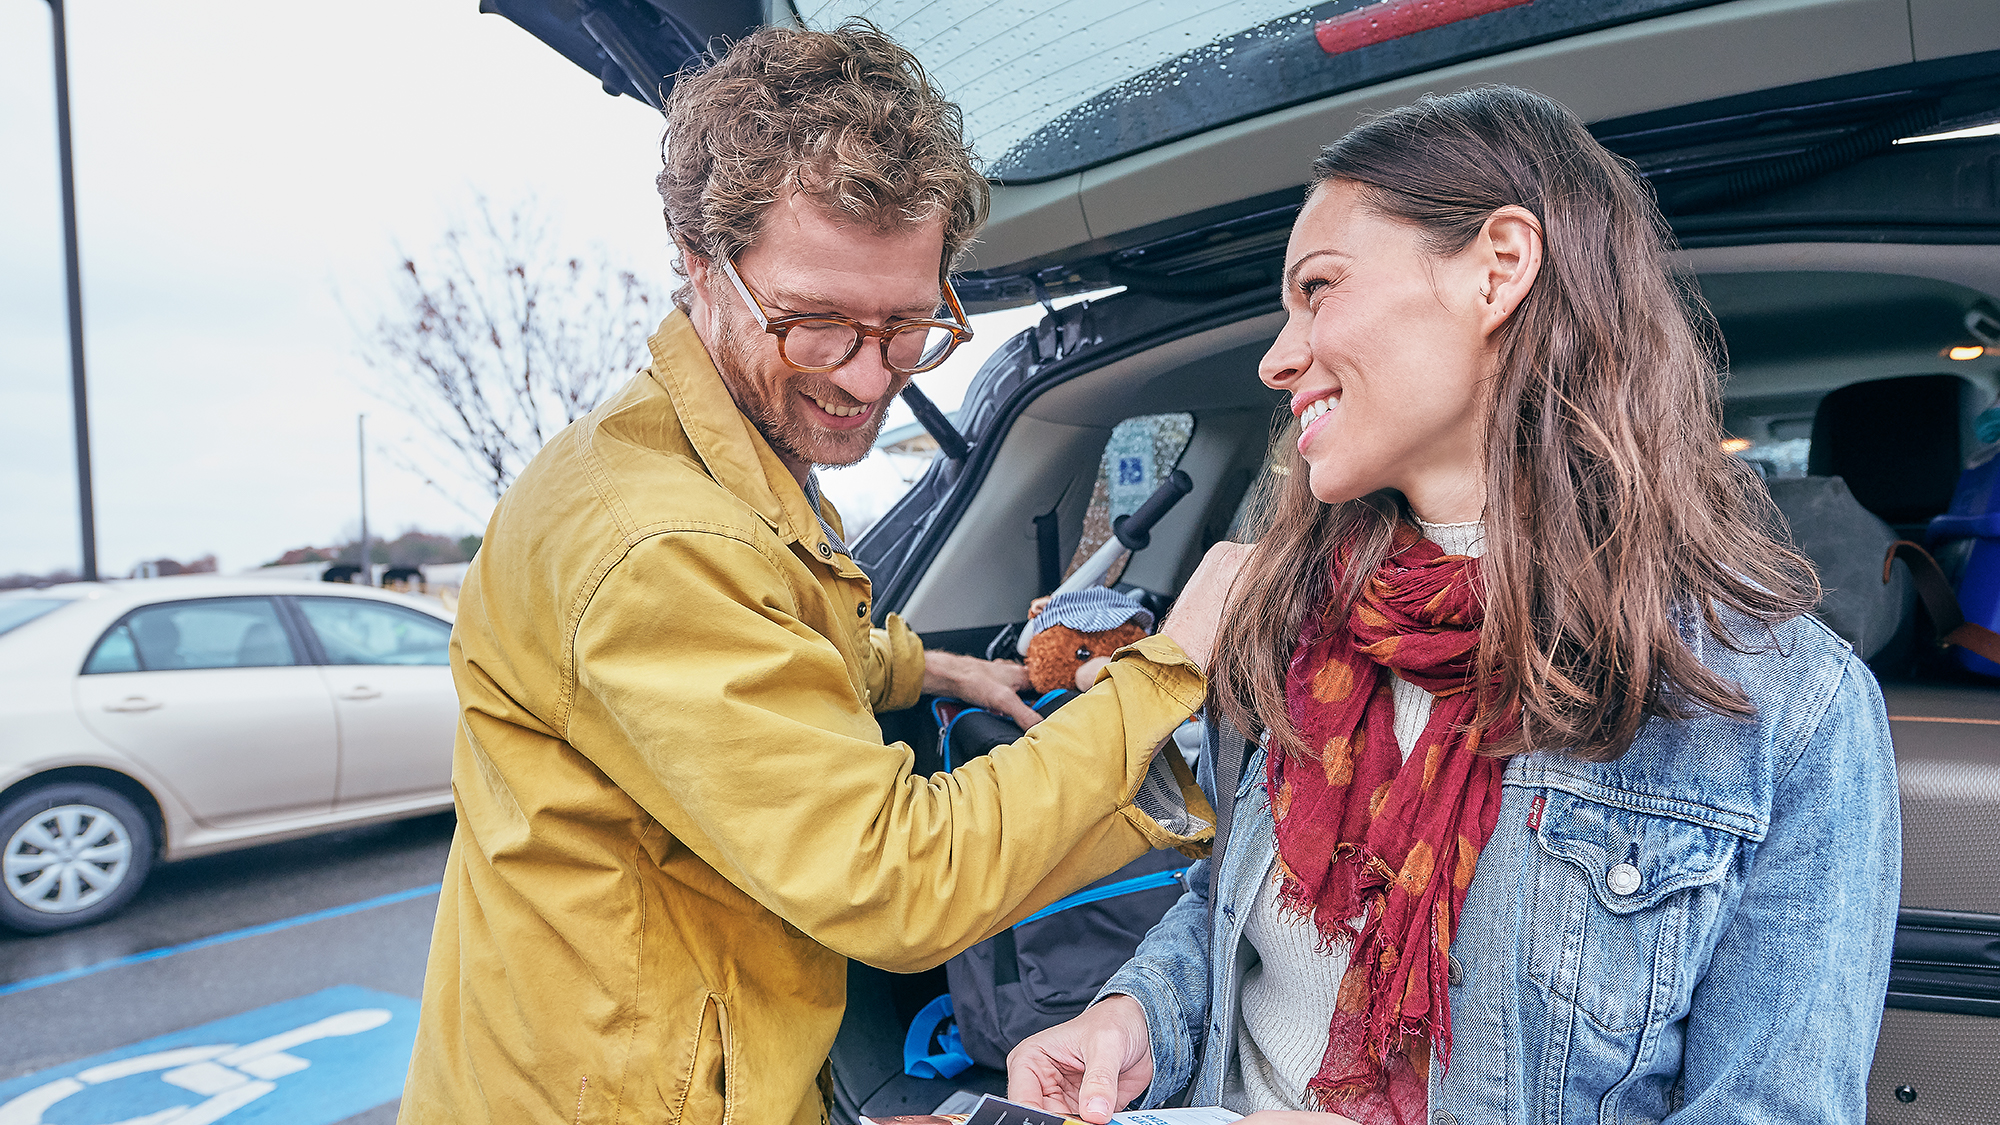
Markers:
<point>74,853</point>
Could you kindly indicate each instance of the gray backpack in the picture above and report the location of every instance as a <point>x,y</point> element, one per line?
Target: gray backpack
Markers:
<point>1048,967</point>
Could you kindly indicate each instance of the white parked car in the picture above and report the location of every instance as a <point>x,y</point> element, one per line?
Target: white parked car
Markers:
<point>176,717</point>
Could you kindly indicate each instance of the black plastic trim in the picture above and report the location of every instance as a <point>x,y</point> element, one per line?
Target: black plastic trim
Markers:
<point>630,46</point>
<point>935,423</point>
<point>1946,961</point>
<point>968,642</point>
<point>294,617</point>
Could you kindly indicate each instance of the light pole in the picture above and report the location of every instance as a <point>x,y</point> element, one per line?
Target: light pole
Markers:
<point>367,575</point>
<point>87,516</point>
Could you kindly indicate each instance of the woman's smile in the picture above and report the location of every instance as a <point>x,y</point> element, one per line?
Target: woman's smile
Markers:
<point>1311,412</point>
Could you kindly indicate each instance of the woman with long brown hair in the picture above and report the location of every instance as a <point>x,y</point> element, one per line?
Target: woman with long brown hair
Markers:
<point>1565,809</point>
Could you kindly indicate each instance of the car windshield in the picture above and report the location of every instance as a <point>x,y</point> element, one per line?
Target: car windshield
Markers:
<point>16,612</point>
<point>1050,87</point>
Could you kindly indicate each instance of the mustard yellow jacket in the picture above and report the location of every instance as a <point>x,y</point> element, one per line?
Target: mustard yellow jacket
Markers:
<point>676,814</point>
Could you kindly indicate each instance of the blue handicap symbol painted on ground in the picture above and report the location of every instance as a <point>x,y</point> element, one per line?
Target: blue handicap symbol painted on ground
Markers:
<point>309,1061</point>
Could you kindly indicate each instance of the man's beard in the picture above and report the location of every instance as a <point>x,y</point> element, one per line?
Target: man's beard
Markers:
<point>790,435</point>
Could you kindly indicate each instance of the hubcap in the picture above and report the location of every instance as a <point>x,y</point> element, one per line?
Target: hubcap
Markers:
<point>66,859</point>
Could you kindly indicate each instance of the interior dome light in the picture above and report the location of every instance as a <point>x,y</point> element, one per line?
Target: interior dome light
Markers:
<point>1736,444</point>
<point>1965,351</point>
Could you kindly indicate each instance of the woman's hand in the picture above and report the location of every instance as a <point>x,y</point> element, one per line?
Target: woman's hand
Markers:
<point>1086,673</point>
<point>1197,613</point>
<point>1092,1065</point>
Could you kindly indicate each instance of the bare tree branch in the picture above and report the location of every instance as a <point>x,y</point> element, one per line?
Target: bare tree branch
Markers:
<point>498,341</point>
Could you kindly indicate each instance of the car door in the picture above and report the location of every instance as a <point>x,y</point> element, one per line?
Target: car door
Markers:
<point>211,695</point>
<point>387,668</point>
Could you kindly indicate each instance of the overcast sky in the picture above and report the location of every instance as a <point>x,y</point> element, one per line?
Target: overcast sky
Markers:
<point>245,173</point>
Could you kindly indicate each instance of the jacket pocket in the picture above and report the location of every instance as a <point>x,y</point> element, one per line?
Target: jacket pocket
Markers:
<point>1623,901</point>
<point>705,1087</point>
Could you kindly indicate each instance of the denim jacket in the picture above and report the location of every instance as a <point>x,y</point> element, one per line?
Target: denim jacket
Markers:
<point>1697,932</point>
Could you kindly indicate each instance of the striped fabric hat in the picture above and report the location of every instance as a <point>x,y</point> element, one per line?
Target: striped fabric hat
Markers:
<point>1091,610</point>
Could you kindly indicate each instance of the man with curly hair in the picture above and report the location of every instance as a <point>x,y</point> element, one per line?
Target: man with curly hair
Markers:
<point>677,816</point>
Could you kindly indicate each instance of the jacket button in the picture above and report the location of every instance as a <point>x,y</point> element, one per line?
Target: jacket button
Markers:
<point>1455,971</point>
<point>825,551</point>
<point>1622,879</point>
<point>861,609</point>
<point>1443,1117</point>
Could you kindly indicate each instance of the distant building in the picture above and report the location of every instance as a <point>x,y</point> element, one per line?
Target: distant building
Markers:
<point>167,568</point>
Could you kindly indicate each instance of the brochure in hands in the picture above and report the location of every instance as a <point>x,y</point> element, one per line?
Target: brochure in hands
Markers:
<point>999,1111</point>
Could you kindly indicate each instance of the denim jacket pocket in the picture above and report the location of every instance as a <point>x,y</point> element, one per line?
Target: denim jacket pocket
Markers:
<point>1620,898</point>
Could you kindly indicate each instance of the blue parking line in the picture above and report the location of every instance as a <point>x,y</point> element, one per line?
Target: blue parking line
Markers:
<point>221,939</point>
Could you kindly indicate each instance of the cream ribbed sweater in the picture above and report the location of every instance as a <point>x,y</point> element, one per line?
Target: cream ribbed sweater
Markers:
<point>1288,993</point>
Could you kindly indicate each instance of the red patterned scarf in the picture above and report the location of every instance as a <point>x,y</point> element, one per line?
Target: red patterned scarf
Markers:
<point>1361,837</point>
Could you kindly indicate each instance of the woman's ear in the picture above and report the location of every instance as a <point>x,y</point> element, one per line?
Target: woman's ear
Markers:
<point>1511,253</point>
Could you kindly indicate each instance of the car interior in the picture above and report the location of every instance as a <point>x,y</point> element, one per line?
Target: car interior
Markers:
<point>1848,365</point>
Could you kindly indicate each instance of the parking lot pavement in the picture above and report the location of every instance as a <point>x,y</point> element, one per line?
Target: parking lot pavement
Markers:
<point>304,959</point>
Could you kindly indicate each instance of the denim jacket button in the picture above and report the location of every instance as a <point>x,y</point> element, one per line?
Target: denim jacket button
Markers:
<point>1443,1117</point>
<point>1455,972</point>
<point>1622,879</point>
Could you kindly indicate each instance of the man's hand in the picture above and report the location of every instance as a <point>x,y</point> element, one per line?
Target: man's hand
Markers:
<point>993,684</point>
<point>1197,613</point>
<point>1092,1065</point>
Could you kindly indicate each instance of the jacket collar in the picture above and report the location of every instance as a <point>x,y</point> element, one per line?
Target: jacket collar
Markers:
<point>736,456</point>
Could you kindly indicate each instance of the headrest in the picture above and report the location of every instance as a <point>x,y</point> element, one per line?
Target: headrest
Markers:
<point>1896,442</point>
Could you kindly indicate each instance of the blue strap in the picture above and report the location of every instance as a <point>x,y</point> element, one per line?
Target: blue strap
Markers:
<point>951,1058</point>
<point>944,735</point>
<point>1109,890</point>
<point>944,728</point>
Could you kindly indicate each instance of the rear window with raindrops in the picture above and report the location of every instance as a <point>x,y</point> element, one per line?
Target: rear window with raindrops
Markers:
<point>1050,87</point>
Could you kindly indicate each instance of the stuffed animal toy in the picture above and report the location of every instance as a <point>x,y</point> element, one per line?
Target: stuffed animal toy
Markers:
<point>1080,629</point>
